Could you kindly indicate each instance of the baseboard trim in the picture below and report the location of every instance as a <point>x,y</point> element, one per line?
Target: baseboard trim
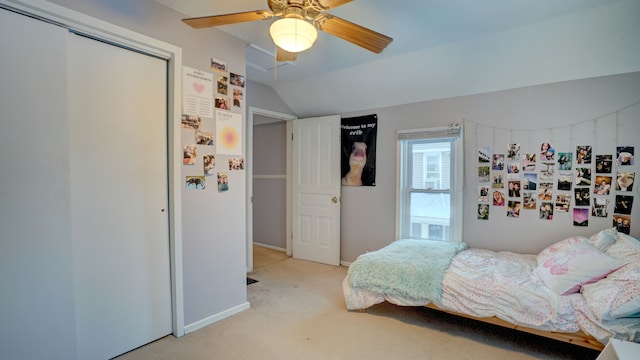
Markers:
<point>215,318</point>
<point>269,246</point>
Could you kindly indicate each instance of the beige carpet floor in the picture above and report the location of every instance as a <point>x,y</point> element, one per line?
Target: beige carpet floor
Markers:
<point>297,312</point>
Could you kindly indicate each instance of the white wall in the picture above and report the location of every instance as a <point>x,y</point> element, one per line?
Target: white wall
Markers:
<point>368,213</point>
<point>263,97</point>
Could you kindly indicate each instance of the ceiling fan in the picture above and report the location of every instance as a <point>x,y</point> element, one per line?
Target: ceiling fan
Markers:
<point>296,30</point>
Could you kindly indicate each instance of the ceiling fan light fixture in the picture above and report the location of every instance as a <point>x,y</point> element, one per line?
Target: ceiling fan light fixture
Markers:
<point>293,35</point>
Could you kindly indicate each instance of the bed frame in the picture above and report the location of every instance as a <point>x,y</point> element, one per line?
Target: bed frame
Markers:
<point>577,338</point>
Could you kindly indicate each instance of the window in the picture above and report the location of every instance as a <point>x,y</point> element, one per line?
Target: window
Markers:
<point>430,184</point>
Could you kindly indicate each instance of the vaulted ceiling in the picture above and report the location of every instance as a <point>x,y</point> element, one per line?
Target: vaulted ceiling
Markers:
<point>441,48</point>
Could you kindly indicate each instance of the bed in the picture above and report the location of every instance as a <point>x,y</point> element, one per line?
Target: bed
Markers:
<point>581,290</point>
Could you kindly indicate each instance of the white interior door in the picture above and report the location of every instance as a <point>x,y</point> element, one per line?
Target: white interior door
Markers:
<point>119,197</point>
<point>316,189</point>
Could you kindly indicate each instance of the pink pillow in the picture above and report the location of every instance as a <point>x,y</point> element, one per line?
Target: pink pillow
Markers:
<point>566,266</point>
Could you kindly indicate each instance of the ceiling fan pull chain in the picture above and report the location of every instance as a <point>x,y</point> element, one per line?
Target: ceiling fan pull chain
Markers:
<point>275,62</point>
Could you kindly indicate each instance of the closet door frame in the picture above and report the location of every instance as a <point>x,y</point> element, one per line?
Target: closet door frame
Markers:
<point>98,29</point>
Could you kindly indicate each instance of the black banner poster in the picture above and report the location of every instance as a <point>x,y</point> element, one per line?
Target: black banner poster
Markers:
<point>359,150</point>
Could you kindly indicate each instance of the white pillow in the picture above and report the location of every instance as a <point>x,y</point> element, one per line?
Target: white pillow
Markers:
<point>566,268</point>
<point>560,246</point>
<point>617,296</point>
<point>603,239</point>
<point>625,248</point>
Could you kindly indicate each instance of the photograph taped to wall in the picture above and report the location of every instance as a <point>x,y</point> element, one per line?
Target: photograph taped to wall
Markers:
<point>218,66</point>
<point>192,122</point>
<point>204,138</point>
<point>513,209</point>
<point>513,170</point>
<point>497,162</point>
<point>358,150</point>
<point>582,197</point>
<point>190,153</point>
<point>625,180</point>
<point>565,160</point>
<point>625,155</point>
<point>563,201</point>
<point>237,80</point>
<point>236,163</point>
<point>209,162</point>
<point>223,85</point>
<point>222,103</point>
<point>583,154</point>
<point>483,174</point>
<point>223,181</point>
<point>545,191</point>
<point>497,180</point>
<point>565,180</point>
<point>623,204</point>
<point>600,207</point>
<point>622,223</point>
<point>583,176</point>
<point>603,185</point>
<point>547,170</point>
<point>513,152</point>
<point>546,210</point>
<point>530,181</point>
<point>484,154</point>
<point>580,217</point>
<point>483,212</point>
<point>514,188</point>
<point>529,162</point>
<point>238,96</point>
<point>195,182</point>
<point>604,164</point>
<point>529,200</point>
<point>547,152</point>
<point>498,198</point>
<point>483,193</point>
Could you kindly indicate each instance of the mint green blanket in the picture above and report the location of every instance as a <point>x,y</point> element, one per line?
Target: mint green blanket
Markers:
<point>408,268</point>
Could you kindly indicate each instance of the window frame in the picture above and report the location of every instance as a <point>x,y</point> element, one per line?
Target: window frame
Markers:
<point>453,134</point>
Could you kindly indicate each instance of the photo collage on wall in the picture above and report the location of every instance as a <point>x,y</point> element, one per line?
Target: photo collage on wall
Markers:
<point>550,182</point>
<point>207,115</point>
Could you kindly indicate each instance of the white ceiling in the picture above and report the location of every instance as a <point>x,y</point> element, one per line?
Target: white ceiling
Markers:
<point>417,27</point>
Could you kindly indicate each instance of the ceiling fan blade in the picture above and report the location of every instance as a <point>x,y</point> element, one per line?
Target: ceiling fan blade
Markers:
<point>217,20</point>
<point>284,55</point>
<point>353,33</point>
<point>330,4</point>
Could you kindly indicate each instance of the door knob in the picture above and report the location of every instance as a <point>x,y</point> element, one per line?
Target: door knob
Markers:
<point>334,199</point>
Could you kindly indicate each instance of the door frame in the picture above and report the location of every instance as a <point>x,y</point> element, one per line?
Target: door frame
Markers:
<point>84,24</point>
<point>277,116</point>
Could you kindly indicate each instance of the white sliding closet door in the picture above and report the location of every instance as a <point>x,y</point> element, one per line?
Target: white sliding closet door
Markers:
<point>119,197</point>
<point>36,287</point>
